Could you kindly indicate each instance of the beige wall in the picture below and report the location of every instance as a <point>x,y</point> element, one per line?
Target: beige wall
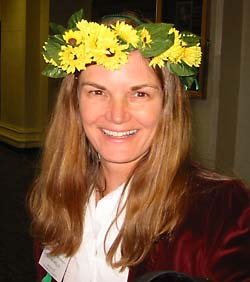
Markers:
<point>23,90</point>
<point>25,98</point>
<point>205,112</point>
<point>13,62</point>
<point>221,123</point>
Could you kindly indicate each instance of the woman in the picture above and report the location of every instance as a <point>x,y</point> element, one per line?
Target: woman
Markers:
<point>117,194</point>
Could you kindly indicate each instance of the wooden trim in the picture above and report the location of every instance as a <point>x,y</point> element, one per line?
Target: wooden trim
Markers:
<point>158,11</point>
<point>20,137</point>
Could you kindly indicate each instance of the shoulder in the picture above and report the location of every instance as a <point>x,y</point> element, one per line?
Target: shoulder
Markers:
<point>208,184</point>
<point>213,239</point>
<point>218,200</point>
<point>218,220</point>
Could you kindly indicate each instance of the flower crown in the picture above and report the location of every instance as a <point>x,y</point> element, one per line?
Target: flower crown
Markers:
<point>82,43</point>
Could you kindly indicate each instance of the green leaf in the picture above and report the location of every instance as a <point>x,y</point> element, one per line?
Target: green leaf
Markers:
<point>190,38</point>
<point>187,81</point>
<point>161,39</point>
<point>182,69</point>
<point>56,28</point>
<point>156,28</point>
<point>53,72</point>
<point>75,18</point>
<point>59,39</point>
<point>52,49</point>
<point>186,73</point>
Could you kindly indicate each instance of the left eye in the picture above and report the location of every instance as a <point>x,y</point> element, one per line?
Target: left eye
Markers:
<point>141,94</point>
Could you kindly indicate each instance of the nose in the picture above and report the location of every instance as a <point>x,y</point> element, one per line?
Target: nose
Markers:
<point>118,110</point>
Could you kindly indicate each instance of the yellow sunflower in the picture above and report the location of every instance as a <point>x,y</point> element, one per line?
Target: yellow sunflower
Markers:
<point>88,29</point>
<point>157,61</point>
<point>145,37</point>
<point>74,58</point>
<point>72,37</point>
<point>110,54</point>
<point>83,26</point>
<point>114,60</point>
<point>192,56</point>
<point>173,54</point>
<point>127,33</point>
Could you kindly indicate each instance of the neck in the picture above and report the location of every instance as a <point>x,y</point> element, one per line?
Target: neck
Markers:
<point>115,174</point>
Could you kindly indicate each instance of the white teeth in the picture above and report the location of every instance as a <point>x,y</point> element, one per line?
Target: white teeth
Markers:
<point>119,133</point>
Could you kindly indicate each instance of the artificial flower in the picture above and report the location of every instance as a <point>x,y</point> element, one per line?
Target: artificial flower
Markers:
<point>192,56</point>
<point>83,26</point>
<point>74,58</point>
<point>145,37</point>
<point>127,33</point>
<point>110,56</point>
<point>157,61</point>
<point>89,42</point>
<point>72,37</point>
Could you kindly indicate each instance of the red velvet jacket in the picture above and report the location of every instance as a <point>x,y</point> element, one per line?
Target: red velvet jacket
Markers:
<point>213,241</point>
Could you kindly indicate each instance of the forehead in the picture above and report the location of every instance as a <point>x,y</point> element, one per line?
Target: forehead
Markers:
<point>135,71</point>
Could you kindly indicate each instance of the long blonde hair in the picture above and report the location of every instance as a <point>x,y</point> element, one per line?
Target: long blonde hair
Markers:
<point>158,193</point>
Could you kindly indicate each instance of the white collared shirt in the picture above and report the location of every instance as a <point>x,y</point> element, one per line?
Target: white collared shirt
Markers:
<point>89,263</point>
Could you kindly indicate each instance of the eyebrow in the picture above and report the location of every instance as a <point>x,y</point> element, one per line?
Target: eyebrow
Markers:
<point>136,87</point>
<point>133,88</point>
<point>96,85</point>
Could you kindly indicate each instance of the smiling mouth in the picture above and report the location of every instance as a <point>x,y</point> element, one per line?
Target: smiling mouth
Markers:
<point>119,133</point>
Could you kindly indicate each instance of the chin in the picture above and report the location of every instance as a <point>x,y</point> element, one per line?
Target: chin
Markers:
<point>122,159</point>
<point>117,160</point>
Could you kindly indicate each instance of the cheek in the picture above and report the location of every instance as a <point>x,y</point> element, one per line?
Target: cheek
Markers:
<point>89,112</point>
<point>84,113</point>
<point>150,117</point>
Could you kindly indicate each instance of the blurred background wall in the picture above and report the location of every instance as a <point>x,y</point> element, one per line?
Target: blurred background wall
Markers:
<point>221,121</point>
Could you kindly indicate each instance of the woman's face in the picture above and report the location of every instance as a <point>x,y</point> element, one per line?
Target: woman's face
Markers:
<point>120,110</point>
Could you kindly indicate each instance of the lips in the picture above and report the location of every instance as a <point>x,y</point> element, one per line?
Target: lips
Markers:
<point>119,134</point>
